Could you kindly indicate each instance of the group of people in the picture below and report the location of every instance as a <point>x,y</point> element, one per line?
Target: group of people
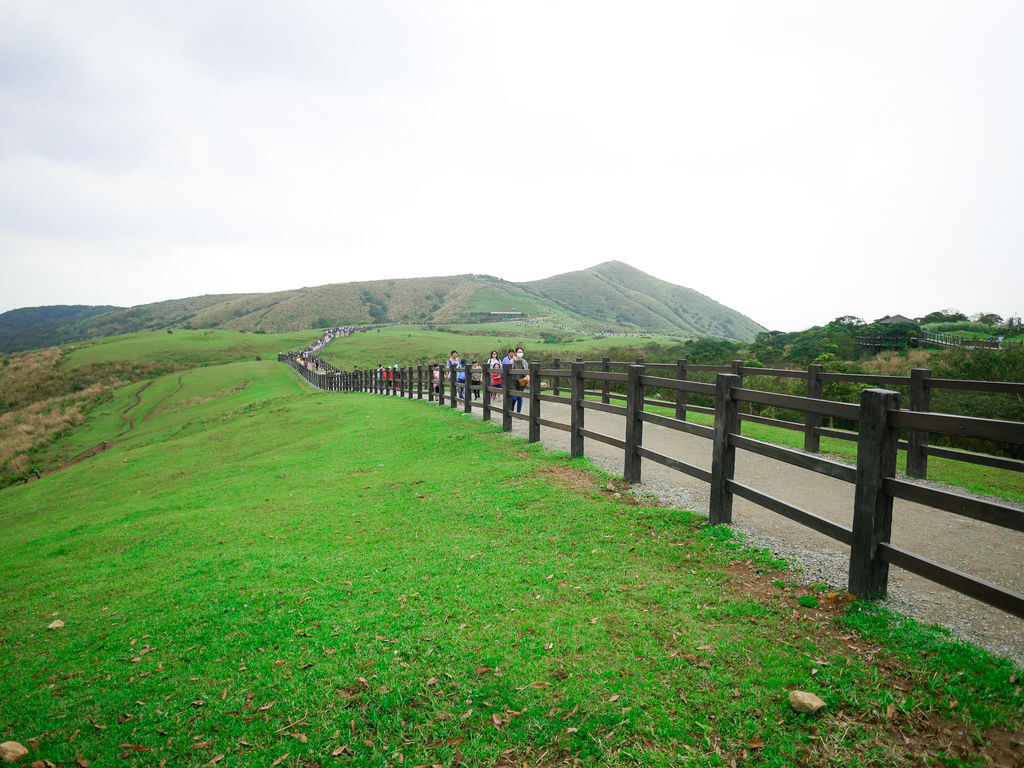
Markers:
<point>457,367</point>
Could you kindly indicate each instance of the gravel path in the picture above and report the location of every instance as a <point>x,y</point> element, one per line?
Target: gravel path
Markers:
<point>982,550</point>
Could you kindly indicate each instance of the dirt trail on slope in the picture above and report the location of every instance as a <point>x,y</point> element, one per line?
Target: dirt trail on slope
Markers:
<point>979,549</point>
<point>100,447</point>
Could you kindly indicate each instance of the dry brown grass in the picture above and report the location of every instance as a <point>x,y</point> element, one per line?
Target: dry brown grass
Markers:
<point>899,363</point>
<point>31,427</point>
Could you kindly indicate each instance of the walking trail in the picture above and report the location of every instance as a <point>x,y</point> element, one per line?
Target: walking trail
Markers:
<point>982,550</point>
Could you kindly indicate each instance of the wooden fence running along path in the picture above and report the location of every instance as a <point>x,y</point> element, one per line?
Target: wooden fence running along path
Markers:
<point>878,415</point>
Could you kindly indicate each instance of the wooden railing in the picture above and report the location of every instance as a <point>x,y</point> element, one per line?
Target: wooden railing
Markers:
<point>878,415</point>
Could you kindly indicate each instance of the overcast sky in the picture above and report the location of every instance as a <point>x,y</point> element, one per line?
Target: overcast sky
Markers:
<point>795,161</point>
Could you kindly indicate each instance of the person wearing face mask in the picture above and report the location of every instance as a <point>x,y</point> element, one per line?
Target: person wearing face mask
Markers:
<point>494,366</point>
<point>520,377</point>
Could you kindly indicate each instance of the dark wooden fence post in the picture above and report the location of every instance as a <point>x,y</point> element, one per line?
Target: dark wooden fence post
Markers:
<point>723,453</point>
<point>576,410</point>
<point>430,383</point>
<point>556,381</point>
<point>534,422</point>
<point>419,382</point>
<point>485,403</point>
<point>812,421</point>
<point>634,425</point>
<point>680,395</point>
<point>467,387</point>
<point>506,397</point>
<point>872,506</point>
<point>920,400</point>
<point>453,393</point>
<point>442,382</point>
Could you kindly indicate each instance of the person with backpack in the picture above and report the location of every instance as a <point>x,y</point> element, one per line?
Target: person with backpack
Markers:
<point>520,378</point>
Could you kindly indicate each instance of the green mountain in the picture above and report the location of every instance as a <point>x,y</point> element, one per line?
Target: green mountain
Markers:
<point>610,296</point>
<point>621,294</point>
<point>35,327</point>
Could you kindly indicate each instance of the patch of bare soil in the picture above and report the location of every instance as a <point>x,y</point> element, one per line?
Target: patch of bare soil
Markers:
<point>583,481</point>
<point>915,734</point>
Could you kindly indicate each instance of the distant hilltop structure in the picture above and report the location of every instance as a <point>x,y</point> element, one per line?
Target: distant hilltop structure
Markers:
<point>891,319</point>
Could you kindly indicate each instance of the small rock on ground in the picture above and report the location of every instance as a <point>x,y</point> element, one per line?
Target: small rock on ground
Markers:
<point>805,702</point>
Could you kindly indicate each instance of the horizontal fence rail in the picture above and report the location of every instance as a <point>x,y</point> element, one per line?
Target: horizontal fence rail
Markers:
<point>879,418</point>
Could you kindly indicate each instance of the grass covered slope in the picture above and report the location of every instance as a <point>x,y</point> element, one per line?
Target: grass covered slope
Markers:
<point>624,295</point>
<point>45,394</point>
<point>412,345</point>
<point>608,296</point>
<point>35,327</point>
<point>257,572</point>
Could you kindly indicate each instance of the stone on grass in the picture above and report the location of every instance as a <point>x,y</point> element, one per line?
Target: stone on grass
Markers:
<point>805,702</point>
<point>12,751</point>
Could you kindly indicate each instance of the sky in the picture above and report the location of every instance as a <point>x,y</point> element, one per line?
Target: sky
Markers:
<point>796,161</point>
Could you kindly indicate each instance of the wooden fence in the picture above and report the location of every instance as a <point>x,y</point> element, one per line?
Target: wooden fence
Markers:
<point>878,415</point>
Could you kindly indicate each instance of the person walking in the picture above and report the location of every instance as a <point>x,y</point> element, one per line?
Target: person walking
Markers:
<point>452,369</point>
<point>477,378</point>
<point>494,366</point>
<point>520,378</point>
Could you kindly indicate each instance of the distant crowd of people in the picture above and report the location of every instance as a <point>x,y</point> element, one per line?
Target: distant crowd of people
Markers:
<point>457,367</point>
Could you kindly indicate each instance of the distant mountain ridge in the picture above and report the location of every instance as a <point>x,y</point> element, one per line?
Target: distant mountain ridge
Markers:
<point>35,327</point>
<point>612,296</point>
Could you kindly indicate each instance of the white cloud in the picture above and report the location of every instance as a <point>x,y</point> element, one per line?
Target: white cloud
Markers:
<point>795,161</point>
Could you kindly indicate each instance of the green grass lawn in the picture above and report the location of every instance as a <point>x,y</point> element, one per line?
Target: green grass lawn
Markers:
<point>260,574</point>
<point>411,345</point>
<point>188,348</point>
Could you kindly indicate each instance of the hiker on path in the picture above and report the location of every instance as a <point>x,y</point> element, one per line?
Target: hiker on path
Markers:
<point>520,378</point>
<point>494,366</point>
<point>477,377</point>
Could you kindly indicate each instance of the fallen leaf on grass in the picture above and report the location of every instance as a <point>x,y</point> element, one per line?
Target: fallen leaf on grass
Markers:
<point>432,681</point>
<point>280,760</point>
<point>201,744</point>
<point>483,670</point>
<point>537,684</point>
<point>267,706</point>
<point>614,698</point>
<point>344,749</point>
<point>571,712</point>
<point>496,719</point>
<point>215,760</point>
<point>81,761</point>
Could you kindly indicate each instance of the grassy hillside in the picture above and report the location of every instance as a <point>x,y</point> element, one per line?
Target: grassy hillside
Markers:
<point>405,345</point>
<point>46,393</point>
<point>609,296</point>
<point>259,573</point>
<point>36,327</point>
<point>621,294</point>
